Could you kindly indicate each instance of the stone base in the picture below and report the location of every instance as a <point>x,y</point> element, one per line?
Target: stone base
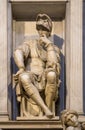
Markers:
<point>37,118</point>
<point>4,117</point>
<point>35,124</point>
<point>81,119</point>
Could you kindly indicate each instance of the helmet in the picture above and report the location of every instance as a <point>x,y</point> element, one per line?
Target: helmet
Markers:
<point>43,22</point>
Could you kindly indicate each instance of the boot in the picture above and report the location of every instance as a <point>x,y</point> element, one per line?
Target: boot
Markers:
<point>40,102</point>
<point>49,101</point>
<point>50,95</point>
<point>33,93</point>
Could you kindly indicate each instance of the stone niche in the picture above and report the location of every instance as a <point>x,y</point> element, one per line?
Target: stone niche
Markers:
<point>19,24</point>
<point>24,27</point>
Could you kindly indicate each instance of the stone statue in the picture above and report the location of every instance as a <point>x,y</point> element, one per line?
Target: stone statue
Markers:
<point>37,79</point>
<point>69,119</point>
<point>83,126</point>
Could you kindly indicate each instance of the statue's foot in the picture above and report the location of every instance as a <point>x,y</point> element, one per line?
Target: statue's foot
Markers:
<point>49,114</point>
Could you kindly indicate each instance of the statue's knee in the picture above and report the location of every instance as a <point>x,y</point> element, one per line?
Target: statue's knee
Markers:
<point>24,77</point>
<point>51,77</point>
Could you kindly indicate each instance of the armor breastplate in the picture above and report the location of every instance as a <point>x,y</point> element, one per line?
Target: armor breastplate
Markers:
<point>35,61</point>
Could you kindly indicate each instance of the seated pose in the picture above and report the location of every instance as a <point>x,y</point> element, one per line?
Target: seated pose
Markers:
<point>39,67</point>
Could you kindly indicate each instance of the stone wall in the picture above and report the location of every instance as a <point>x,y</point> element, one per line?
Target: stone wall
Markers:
<point>68,34</point>
<point>83,30</point>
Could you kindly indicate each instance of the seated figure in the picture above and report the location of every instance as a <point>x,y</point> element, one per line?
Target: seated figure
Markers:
<point>69,119</point>
<point>37,79</point>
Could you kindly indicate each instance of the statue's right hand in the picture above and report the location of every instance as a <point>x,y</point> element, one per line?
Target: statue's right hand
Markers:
<point>16,76</point>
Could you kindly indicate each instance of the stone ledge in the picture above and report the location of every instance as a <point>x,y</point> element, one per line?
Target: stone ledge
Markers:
<point>35,124</point>
<point>32,124</point>
<point>38,0</point>
<point>39,118</point>
<point>81,119</point>
<point>26,10</point>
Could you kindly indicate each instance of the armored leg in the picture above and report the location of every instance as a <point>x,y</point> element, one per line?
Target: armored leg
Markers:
<point>50,90</point>
<point>33,93</point>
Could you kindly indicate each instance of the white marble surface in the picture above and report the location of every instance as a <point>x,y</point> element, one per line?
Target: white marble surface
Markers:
<point>3,59</point>
<point>74,57</point>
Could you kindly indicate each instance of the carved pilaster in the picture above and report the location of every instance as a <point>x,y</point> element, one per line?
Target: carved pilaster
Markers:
<point>4,60</point>
<point>74,72</point>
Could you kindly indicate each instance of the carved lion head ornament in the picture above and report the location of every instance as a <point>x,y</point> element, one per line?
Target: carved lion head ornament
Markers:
<point>44,22</point>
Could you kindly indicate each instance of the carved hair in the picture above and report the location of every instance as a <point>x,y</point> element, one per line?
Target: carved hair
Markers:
<point>64,115</point>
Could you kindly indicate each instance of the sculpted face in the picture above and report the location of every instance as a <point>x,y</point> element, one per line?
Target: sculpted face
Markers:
<point>72,120</point>
<point>43,33</point>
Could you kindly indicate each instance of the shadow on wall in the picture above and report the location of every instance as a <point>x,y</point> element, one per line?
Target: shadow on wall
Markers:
<point>18,38</point>
<point>11,92</point>
<point>84,56</point>
<point>60,104</point>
